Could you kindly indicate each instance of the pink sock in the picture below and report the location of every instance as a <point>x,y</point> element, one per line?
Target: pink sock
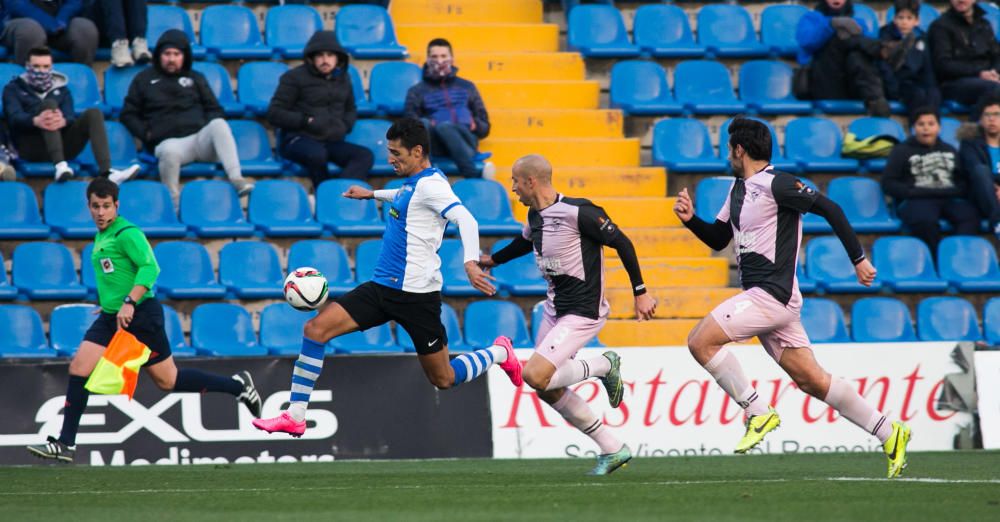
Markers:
<point>575,410</point>
<point>574,371</point>
<point>856,409</point>
<point>729,374</point>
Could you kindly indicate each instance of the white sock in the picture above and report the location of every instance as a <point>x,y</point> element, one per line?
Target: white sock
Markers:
<point>574,371</point>
<point>856,409</point>
<point>575,410</point>
<point>499,354</point>
<point>729,374</point>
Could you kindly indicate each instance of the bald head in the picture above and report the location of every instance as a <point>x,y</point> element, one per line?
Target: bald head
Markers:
<point>534,166</point>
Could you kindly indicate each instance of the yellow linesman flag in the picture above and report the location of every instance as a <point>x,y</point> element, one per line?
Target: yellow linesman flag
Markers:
<point>118,370</point>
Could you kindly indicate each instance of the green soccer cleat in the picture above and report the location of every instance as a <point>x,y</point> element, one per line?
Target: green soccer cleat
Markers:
<point>757,427</point>
<point>613,380</point>
<point>608,463</point>
<point>895,449</point>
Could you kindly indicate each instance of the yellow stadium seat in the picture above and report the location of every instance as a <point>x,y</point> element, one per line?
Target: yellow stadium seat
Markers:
<point>596,183</point>
<point>466,11</point>
<point>507,66</point>
<point>482,37</point>
<point>575,94</point>
<point>555,123</point>
<point>626,212</point>
<point>672,271</point>
<point>671,302</point>
<point>666,242</point>
<point>622,152</point>
<point>658,332</point>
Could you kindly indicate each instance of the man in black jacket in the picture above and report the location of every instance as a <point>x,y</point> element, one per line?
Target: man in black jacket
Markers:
<point>965,53</point>
<point>979,156</point>
<point>172,110</point>
<point>924,178</point>
<point>314,108</point>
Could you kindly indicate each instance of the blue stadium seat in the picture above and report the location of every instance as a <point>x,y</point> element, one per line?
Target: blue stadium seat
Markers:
<point>45,270</point>
<point>684,145</point>
<point>949,131</point>
<point>364,107</point>
<point>489,203</point>
<point>815,144</point>
<point>389,82</point>
<point>287,28</point>
<point>827,263</point>
<point>870,126</point>
<point>83,86</point>
<point>869,17</point>
<point>863,203</point>
<point>280,208</point>
<point>329,257</point>
<point>823,321</point>
<point>927,15</point>
<point>766,87</point>
<point>727,31</point>
<point>87,276</point>
<point>519,276</point>
<point>163,17</point>
<point>640,88</point>
<point>969,264</point>
<point>377,339</point>
<point>812,223</point>
<point>9,71</point>
<point>254,149</point>
<point>186,271</point>
<point>806,284</point>
<point>256,83</point>
<point>251,270</point>
<point>212,209</point>
<point>365,259</point>
<point>598,31</point>
<point>366,32</point>
<point>371,134</point>
<point>456,283</point>
<point>777,28</point>
<point>947,319</point>
<point>19,217</point>
<point>121,145</point>
<point>664,32</point>
<point>704,87</point>
<point>147,204</point>
<point>778,159</point>
<point>451,327</point>
<point>67,325</point>
<point>905,265</point>
<point>66,210</point>
<point>710,195</point>
<point>116,83</point>
<point>175,334</point>
<point>881,320</point>
<point>224,330</point>
<point>992,15</point>
<point>281,328</point>
<point>343,216</point>
<point>7,292</point>
<point>991,321</point>
<point>485,320</point>
<point>231,32</point>
<point>21,333</point>
<point>218,80</point>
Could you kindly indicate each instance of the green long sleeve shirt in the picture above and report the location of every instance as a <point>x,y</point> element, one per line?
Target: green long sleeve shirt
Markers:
<point>122,259</point>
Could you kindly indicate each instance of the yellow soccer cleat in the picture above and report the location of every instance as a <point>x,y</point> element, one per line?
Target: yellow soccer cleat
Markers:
<point>757,427</point>
<point>895,448</point>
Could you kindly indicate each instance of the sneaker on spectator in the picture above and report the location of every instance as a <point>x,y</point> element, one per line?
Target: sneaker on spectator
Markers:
<point>63,172</point>
<point>878,107</point>
<point>121,176</point>
<point>7,172</point>
<point>120,54</point>
<point>996,231</point>
<point>140,50</point>
<point>489,171</point>
<point>242,186</point>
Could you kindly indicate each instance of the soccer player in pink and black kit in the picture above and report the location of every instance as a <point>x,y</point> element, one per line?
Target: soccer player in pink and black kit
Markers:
<point>764,214</point>
<point>568,236</point>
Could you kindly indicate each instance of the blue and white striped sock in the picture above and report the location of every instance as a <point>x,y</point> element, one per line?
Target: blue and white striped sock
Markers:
<point>470,365</point>
<point>304,377</point>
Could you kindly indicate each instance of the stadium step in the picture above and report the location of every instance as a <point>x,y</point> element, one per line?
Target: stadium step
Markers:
<point>586,182</point>
<point>620,152</point>
<point>665,242</point>
<point>671,302</point>
<point>468,38</point>
<point>466,11</point>
<point>513,66</point>
<point>627,212</point>
<point>673,271</point>
<point>556,123</point>
<point>658,332</point>
<point>576,94</point>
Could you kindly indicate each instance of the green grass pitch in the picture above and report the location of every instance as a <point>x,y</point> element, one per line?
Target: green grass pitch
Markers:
<point>956,486</point>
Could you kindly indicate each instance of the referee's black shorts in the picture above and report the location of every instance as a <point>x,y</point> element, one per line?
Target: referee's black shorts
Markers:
<point>372,304</point>
<point>147,326</point>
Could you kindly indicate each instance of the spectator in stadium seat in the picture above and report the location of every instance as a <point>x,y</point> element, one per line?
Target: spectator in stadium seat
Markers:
<point>452,109</point>
<point>925,180</point>
<point>121,22</point>
<point>841,60</point>
<point>39,111</point>
<point>965,52</point>
<point>910,76</point>
<point>172,110</point>
<point>314,108</point>
<point>57,23</point>
<point>979,155</point>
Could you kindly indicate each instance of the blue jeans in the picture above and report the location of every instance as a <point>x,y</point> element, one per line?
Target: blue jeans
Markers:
<point>354,160</point>
<point>458,143</point>
<point>968,91</point>
<point>983,194</point>
<point>123,19</point>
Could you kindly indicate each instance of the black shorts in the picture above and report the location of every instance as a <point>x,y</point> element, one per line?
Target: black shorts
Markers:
<point>147,326</point>
<point>372,304</point>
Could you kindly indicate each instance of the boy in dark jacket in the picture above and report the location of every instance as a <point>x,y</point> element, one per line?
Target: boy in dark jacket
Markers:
<point>965,53</point>
<point>56,23</point>
<point>979,156</point>
<point>173,111</point>
<point>452,109</point>
<point>314,108</point>
<point>926,182</point>
<point>910,77</point>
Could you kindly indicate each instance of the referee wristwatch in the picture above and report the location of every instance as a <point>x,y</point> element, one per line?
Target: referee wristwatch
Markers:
<point>128,300</point>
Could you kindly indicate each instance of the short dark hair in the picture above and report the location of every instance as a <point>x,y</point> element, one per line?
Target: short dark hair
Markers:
<point>753,136</point>
<point>102,188</point>
<point>410,132</point>
<point>986,101</point>
<point>39,51</point>
<point>924,111</point>
<point>439,42</point>
<point>912,6</point>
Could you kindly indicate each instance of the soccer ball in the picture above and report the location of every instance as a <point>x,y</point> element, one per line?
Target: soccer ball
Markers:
<point>305,289</point>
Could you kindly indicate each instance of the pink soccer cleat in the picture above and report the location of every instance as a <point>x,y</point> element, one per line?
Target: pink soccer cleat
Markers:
<point>286,424</point>
<point>512,366</point>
